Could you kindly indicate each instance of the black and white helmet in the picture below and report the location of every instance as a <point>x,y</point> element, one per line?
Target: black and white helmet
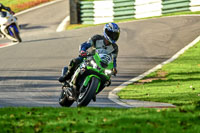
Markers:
<point>111,32</point>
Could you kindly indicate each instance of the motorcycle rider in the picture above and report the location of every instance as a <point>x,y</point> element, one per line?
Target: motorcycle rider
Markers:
<point>2,7</point>
<point>107,41</point>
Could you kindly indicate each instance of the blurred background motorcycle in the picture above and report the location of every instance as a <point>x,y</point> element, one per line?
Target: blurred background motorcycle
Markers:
<point>9,26</point>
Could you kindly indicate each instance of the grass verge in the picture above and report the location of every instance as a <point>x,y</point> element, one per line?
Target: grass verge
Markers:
<point>176,82</point>
<point>105,120</point>
<point>19,5</point>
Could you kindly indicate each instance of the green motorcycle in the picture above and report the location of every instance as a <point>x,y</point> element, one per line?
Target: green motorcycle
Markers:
<point>92,75</point>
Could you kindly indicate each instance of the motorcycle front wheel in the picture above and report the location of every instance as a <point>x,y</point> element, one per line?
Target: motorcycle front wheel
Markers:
<point>15,33</point>
<point>89,92</point>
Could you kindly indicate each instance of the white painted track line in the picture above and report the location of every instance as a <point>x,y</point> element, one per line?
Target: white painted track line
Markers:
<point>63,24</point>
<point>37,7</point>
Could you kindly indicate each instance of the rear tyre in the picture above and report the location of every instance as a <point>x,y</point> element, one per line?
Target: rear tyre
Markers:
<point>89,93</point>
<point>64,101</point>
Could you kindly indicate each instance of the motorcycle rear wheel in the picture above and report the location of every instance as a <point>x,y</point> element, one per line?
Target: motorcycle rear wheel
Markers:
<point>90,91</point>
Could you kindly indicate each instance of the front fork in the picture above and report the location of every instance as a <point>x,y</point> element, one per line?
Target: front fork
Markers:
<point>68,91</point>
<point>8,33</point>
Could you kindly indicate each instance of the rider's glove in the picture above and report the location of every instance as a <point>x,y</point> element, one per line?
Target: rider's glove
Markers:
<point>114,71</point>
<point>83,53</point>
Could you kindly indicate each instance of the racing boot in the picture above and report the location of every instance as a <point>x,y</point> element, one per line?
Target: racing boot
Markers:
<point>64,77</point>
<point>66,74</point>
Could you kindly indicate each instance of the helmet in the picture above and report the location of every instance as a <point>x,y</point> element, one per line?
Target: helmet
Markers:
<point>111,32</point>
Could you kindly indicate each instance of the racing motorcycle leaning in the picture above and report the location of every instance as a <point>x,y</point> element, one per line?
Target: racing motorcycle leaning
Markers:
<point>91,76</point>
<point>9,26</point>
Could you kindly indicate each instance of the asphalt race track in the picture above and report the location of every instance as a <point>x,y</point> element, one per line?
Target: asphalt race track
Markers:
<point>29,70</point>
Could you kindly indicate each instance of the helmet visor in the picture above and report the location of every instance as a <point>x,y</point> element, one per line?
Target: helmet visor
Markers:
<point>112,35</point>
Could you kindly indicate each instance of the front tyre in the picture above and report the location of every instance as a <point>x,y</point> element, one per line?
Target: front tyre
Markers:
<point>89,92</point>
<point>64,101</point>
<point>15,33</point>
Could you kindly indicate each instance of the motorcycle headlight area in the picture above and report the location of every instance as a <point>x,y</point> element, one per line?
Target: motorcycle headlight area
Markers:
<point>108,72</point>
<point>93,63</point>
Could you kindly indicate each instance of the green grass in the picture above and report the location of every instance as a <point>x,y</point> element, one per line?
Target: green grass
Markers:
<point>177,82</point>
<point>100,120</point>
<point>78,26</point>
<point>20,5</point>
<point>14,2</point>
